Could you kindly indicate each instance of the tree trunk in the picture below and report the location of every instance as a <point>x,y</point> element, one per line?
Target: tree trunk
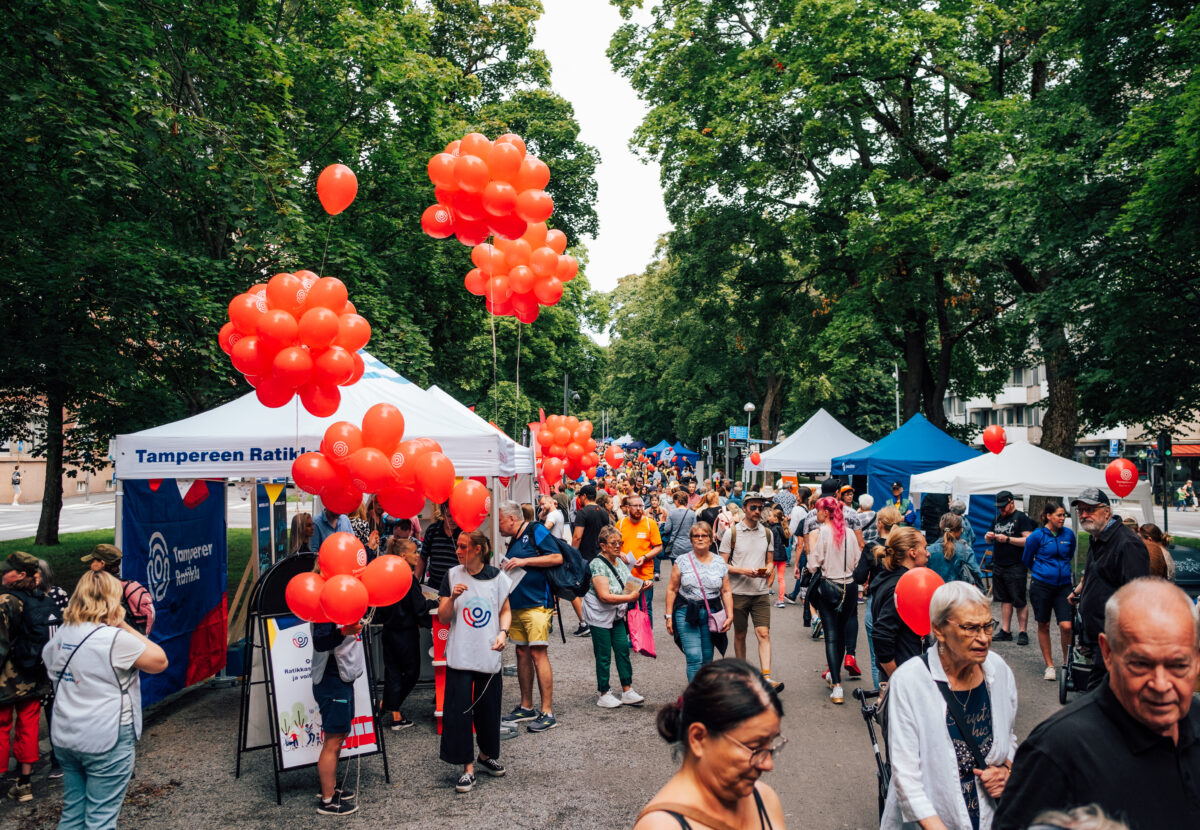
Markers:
<point>1060,426</point>
<point>47,532</point>
<point>768,418</point>
<point>912,372</point>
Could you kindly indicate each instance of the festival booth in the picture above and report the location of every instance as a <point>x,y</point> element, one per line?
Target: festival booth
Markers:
<point>811,448</point>
<point>657,450</point>
<point>684,454</point>
<point>917,447</point>
<point>625,440</point>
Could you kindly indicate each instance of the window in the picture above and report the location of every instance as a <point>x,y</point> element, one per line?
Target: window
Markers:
<point>81,487</point>
<point>1017,377</point>
<point>1035,416</point>
<point>108,485</point>
<point>1035,376</point>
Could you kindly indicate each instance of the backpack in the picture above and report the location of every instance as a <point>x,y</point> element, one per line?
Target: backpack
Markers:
<point>137,621</point>
<point>40,617</point>
<point>573,574</point>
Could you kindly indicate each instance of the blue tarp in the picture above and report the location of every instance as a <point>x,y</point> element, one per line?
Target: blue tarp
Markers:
<point>657,448</point>
<point>684,454</point>
<point>916,447</point>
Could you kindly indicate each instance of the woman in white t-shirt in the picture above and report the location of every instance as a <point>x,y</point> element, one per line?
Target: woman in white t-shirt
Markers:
<point>699,585</point>
<point>93,661</point>
<point>473,601</point>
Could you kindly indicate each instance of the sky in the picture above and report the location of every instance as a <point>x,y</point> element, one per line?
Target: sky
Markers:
<point>574,35</point>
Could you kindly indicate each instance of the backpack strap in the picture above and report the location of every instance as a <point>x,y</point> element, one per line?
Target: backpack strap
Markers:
<point>960,719</point>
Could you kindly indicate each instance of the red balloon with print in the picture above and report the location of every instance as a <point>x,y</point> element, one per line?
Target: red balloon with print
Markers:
<point>615,456</point>
<point>387,579</point>
<point>438,221</point>
<point>341,553</point>
<point>470,504</point>
<point>994,438</point>
<point>287,292</point>
<point>244,311</point>
<point>370,470</point>
<point>913,593</point>
<point>435,475</point>
<point>303,597</point>
<point>313,473</point>
<point>336,188</point>
<point>227,337</point>
<point>344,599</point>
<point>1121,475</point>
<point>341,440</point>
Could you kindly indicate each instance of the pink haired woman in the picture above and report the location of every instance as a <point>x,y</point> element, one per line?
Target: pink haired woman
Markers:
<point>835,596</point>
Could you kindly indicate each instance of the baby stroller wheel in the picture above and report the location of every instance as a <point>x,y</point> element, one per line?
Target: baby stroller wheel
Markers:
<point>1064,683</point>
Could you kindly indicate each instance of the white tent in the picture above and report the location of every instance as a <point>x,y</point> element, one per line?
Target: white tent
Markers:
<point>1024,470</point>
<point>243,438</point>
<point>623,440</point>
<point>811,448</point>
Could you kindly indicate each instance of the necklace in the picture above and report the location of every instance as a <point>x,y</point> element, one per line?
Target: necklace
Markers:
<point>961,701</point>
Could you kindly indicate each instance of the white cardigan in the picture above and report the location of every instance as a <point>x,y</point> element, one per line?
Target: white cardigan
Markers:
<point>924,767</point>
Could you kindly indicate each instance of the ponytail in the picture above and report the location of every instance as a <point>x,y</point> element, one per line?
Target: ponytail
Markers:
<point>837,518</point>
<point>951,525</point>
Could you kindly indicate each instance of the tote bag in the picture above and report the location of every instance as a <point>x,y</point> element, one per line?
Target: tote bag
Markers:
<point>641,634</point>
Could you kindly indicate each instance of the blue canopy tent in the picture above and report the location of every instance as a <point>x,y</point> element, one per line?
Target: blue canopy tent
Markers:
<point>632,445</point>
<point>916,447</point>
<point>684,454</point>
<point>653,452</point>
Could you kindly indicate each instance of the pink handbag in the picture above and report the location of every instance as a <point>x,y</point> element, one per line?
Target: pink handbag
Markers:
<point>641,633</point>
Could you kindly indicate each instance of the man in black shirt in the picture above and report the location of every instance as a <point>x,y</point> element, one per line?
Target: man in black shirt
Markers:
<point>1132,746</point>
<point>1009,577</point>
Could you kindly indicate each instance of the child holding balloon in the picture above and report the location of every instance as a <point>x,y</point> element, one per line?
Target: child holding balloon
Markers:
<point>338,660</point>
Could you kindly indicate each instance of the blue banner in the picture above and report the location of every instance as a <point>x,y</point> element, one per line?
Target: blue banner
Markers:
<point>174,543</point>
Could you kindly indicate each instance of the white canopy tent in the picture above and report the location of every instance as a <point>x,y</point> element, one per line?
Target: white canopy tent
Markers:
<point>243,438</point>
<point>623,440</point>
<point>811,448</point>
<point>1023,470</point>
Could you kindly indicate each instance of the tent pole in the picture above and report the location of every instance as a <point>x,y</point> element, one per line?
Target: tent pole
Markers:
<point>118,525</point>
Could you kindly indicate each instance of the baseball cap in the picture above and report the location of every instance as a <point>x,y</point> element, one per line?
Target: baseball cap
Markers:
<point>897,485</point>
<point>829,487</point>
<point>753,495</point>
<point>1003,498</point>
<point>108,554</point>
<point>1091,496</point>
<point>21,561</point>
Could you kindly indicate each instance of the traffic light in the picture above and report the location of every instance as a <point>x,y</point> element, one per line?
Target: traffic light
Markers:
<point>1164,445</point>
<point>721,439</point>
<point>704,444</point>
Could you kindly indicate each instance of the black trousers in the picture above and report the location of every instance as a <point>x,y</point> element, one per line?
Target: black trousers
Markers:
<point>401,665</point>
<point>464,688</point>
<point>826,596</point>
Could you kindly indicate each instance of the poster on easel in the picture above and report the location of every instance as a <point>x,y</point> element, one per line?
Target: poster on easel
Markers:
<point>270,504</point>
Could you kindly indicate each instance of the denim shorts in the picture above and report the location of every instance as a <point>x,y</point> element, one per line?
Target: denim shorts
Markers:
<point>335,699</point>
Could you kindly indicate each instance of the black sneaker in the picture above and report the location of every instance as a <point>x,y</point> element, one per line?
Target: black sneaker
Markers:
<point>491,766</point>
<point>583,631</point>
<point>403,723</point>
<point>336,807</point>
<point>465,782</point>
<point>339,793</point>
<point>1003,636</point>
<point>542,722</point>
<point>519,715</point>
<point>1022,639</point>
<point>56,772</point>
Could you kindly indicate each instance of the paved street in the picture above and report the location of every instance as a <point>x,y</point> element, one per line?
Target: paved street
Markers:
<point>596,770</point>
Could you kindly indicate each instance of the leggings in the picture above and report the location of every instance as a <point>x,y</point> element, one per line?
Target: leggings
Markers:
<point>780,571</point>
<point>401,665</point>
<point>834,622</point>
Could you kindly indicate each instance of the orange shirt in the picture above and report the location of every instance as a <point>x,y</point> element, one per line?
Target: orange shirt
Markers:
<point>638,539</point>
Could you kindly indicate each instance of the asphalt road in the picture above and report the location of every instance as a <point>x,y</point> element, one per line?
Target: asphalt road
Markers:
<point>596,770</point>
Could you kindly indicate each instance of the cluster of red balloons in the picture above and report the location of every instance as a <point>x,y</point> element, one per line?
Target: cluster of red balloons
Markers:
<point>296,334</point>
<point>377,459</point>
<point>486,187</point>
<point>518,276</point>
<point>346,584</point>
<point>567,446</point>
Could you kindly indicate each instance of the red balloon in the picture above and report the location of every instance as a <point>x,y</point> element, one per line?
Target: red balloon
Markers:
<point>475,282</point>
<point>755,458</point>
<point>454,147</point>
<point>517,253</point>
<point>360,367</point>
<point>532,175</point>
<point>273,393</point>
<point>475,144</point>
<point>994,438</point>
<point>535,235</point>
<point>470,232</point>
<point>503,308</point>
<point>470,173</point>
<point>317,328</point>
<point>525,305</point>
<point>341,553</point>
<point>444,195</point>
<point>277,328</point>
<point>336,188</point>
<point>441,170</point>
<point>250,357</point>
<point>435,475</point>
<point>387,579</point>
<point>507,227</point>
<point>534,205</point>
<point>556,241</point>
<point>513,139</point>
<point>468,206</point>
<point>287,292</point>
<point>1121,475</point>
<point>552,469</point>
<point>383,427</point>
<point>227,337</point>
<point>499,198</point>
<point>549,290</point>
<point>354,332</point>
<point>438,221</point>
<point>312,473</point>
<point>913,592</point>
<point>615,456</point>
<point>333,367</point>
<point>575,451</point>
<point>544,261</point>
<point>544,437</point>
<point>498,288</point>
<point>341,440</point>
<point>402,502</point>
<point>568,267</point>
<point>292,366</point>
<point>470,504</point>
<point>320,400</point>
<point>344,599</point>
<point>244,311</point>
<point>370,470</point>
<point>342,500</point>
<point>327,292</point>
<point>504,161</point>
<point>303,597</point>
<point>521,280</point>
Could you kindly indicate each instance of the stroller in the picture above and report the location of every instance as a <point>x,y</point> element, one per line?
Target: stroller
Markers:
<point>1077,670</point>
<point>871,713</point>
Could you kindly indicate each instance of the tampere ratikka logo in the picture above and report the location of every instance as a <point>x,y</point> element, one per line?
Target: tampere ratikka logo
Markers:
<point>158,566</point>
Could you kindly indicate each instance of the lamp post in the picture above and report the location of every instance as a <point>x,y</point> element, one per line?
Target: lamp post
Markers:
<point>749,410</point>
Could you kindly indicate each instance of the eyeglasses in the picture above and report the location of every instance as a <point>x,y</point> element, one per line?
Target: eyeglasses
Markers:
<point>700,536</point>
<point>754,507</point>
<point>974,629</point>
<point>757,756</point>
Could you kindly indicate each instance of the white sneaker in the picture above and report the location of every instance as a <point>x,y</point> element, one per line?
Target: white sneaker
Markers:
<point>609,701</point>
<point>836,695</point>
<point>632,698</point>
<point>1049,675</point>
<point>780,604</point>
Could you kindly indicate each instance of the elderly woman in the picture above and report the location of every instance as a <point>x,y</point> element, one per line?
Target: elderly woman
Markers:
<point>894,641</point>
<point>727,724</point>
<point>604,607</point>
<point>951,716</point>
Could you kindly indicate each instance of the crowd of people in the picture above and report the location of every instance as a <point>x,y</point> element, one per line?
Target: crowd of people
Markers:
<point>1130,747</point>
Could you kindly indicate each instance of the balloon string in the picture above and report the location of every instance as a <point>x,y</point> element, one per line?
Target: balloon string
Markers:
<point>325,253</point>
<point>495,398</point>
<point>517,404</point>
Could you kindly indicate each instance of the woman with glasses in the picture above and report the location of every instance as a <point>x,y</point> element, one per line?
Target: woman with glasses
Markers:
<point>604,607</point>
<point>726,723</point>
<point>951,713</point>
<point>1048,554</point>
<point>699,584</point>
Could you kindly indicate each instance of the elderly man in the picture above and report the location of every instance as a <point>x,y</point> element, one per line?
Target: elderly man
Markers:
<point>1131,746</point>
<point>1116,556</point>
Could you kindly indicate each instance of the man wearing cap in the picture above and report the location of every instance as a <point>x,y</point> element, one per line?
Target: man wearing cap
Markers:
<point>905,506</point>
<point>1009,576</point>
<point>24,629</point>
<point>139,605</point>
<point>1116,557</point>
<point>747,547</point>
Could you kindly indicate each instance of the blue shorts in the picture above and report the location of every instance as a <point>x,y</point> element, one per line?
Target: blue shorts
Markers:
<point>335,699</point>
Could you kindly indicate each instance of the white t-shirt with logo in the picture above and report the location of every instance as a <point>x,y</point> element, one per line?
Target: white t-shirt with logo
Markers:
<point>476,620</point>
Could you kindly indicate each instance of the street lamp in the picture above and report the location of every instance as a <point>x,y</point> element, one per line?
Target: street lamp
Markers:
<point>749,409</point>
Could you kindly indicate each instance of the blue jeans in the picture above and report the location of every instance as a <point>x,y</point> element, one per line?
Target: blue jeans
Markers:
<point>94,784</point>
<point>869,621</point>
<point>696,639</point>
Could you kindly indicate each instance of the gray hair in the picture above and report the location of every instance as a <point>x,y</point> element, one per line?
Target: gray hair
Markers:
<point>952,596</point>
<point>1112,608</point>
<point>512,510</point>
<point>1090,817</point>
<point>958,507</point>
<point>866,501</point>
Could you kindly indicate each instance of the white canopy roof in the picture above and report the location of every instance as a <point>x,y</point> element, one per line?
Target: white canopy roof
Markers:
<point>1022,469</point>
<point>245,438</point>
<point>811,448</point>
<point>623,440</point>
